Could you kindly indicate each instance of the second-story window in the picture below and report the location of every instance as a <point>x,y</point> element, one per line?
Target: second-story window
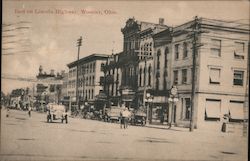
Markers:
<point>184,76</point>
<point>214,76</point>
<point>216,48</point>
<point>176,51</point>
<point>185,50</point>
<point>175,77</point>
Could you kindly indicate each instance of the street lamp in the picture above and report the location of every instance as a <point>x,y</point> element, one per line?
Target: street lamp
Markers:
<point>149,98</point>
<point>172,99</point>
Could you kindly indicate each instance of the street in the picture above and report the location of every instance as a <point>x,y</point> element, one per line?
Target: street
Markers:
<point>32,138</point>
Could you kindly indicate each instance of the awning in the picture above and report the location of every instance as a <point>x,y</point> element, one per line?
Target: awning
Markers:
<point>213,109</point>
<point>236,110</point>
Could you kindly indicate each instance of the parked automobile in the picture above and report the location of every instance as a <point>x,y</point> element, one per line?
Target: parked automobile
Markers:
<point>56,112</point>
<point>138,118</point>
<point>113,114</point>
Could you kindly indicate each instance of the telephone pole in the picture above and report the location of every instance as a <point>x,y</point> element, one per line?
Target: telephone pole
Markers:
<point>79,43</point>
<point>195,32</point>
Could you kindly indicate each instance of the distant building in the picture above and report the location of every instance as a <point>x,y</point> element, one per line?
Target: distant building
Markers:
<point>112,79</point>
<point>49,86</point>
<point>90,75</point>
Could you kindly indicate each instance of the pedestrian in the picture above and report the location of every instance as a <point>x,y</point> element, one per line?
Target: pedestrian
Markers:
<point>126,114</point>
<point>29,111</point>
<point>7,112</point>
<point>121,119</point>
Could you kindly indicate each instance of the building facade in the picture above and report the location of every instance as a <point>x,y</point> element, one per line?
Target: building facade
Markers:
<point>220,75</point>
<point>156,57</point>
<point>49,86</point>
<point>89,78</point>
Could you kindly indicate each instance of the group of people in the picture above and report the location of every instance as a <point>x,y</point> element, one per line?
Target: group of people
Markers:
<point>124,118</point>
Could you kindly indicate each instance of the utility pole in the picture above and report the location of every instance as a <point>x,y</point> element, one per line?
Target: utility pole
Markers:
<point>79,43</point>
<point>195,31</point>
<point>246,103</point>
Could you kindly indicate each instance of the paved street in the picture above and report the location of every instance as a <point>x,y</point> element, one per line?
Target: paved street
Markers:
<point>24,138</point>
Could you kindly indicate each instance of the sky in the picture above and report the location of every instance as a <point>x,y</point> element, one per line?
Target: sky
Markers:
<point>48,38</point>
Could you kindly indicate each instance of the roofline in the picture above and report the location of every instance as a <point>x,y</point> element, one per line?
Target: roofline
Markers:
<point>87,58</point>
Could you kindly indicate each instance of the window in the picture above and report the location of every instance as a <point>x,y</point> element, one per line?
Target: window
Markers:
<point>185,50</point>
<point>176,51</point>
<point>216,48</point>
<point>184,76</point>
<point>166,57</point>
<point>92,96</point>
<point>94,67</point>
<point>214,76</point>
<point>140,77</point>
<point>213,109</point>
<point>175,77</point>
<point>144,76</point>
<point>238,78</point>
<point>158,59</point>
<point>149,75</point>
<point>150,49</point>
<point>239,50</point>
<point>93,80</point>
<point>236,111</point>
<point>157,83</point>
<point>187,108</point>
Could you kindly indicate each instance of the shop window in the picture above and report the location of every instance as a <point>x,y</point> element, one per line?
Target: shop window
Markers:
<point>187,108</point>
<point>212,110</point>
<point>236,111</point>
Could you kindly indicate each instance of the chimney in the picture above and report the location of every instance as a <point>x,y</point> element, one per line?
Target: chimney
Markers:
<point>52,72</point>
<point>161,21</point>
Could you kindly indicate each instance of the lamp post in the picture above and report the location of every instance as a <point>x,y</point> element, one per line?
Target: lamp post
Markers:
<point>149,99</point>
<point>172,99</point>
